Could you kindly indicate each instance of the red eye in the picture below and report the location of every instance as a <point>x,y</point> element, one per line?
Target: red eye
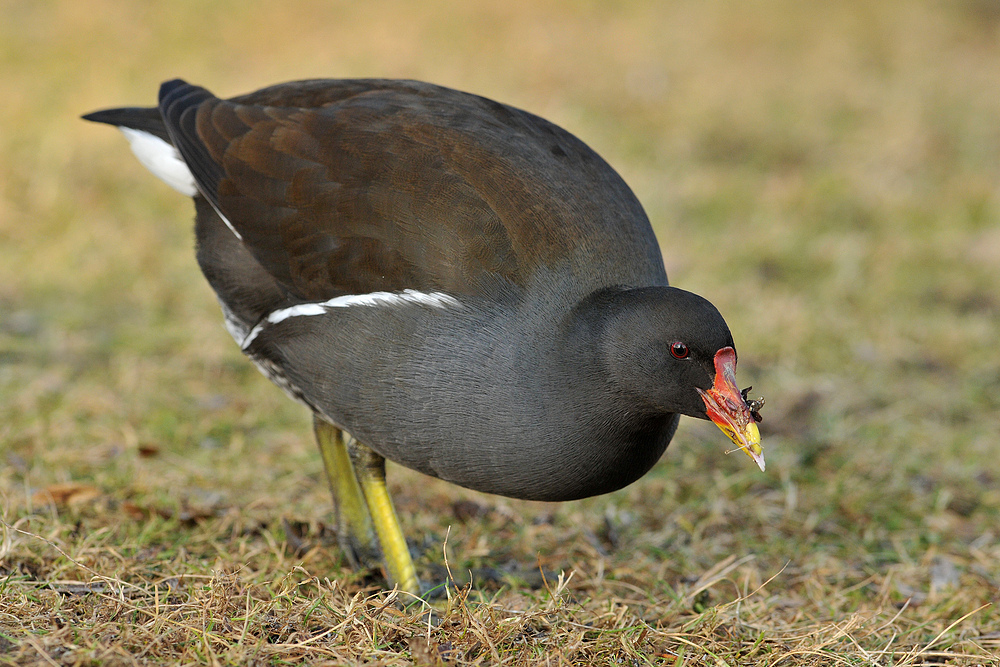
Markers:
<point>679,350</point>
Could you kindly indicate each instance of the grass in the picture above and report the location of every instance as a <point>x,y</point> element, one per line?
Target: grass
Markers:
<point>826,173</point>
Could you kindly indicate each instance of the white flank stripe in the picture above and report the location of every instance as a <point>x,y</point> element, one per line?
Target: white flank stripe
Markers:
<point>432,299</point>
<point>162,159</point>
<point>303,309</point>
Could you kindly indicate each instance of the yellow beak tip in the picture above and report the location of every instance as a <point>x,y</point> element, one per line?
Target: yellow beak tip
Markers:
<point>748,440</point>
<point>754,448</point>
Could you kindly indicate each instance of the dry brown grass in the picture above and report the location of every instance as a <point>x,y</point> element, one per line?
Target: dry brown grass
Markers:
<point>826,173</point>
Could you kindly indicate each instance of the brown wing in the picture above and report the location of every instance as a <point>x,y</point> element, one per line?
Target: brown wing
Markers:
<point>370,185</point>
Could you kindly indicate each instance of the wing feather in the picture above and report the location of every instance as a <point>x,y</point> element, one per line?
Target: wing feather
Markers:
<point>343,187</point>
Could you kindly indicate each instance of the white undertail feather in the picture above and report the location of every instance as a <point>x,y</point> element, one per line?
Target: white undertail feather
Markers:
<point>409,296</point>
<point>161,158</point>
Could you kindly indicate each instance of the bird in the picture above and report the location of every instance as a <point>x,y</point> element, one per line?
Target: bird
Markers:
<point>446,282</point>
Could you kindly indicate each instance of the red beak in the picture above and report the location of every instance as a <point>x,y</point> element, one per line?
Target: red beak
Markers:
<point>726,407</point>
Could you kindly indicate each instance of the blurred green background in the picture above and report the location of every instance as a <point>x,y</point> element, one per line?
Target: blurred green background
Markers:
<point>827,173</point>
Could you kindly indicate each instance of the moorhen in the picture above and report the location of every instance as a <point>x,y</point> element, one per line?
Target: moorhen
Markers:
<point>445,281</point>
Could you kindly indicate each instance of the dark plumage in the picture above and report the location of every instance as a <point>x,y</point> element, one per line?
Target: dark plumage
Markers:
<point>518,335</point>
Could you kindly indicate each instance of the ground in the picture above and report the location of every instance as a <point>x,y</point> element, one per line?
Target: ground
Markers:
<point>828,174</point>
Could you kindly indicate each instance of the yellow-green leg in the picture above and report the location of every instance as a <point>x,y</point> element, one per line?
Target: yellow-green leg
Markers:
<point>369,468</point>
<point>366,519</point>
<point>354,525</point>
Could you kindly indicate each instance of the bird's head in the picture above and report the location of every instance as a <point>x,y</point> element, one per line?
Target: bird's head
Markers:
<point>672,351</point>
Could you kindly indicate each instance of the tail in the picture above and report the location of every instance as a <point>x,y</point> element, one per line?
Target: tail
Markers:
<point>147,134</point>
<point>142,119</point>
